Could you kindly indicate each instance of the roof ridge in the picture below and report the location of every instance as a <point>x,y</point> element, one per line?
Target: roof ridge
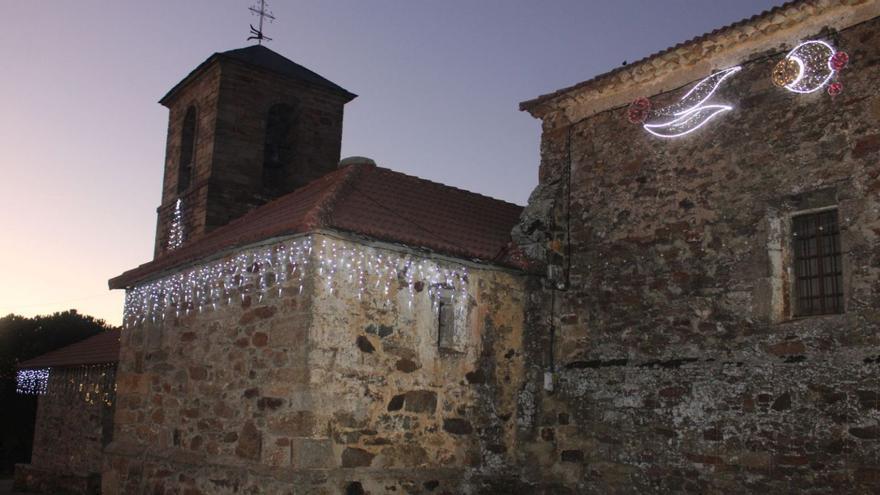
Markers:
<point>447,186</point>
<point>322,213</point>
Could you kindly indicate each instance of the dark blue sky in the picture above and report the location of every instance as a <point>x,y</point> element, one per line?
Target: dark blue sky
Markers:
<point>82,138</point>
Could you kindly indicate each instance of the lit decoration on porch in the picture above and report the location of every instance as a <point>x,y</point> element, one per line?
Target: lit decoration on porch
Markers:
<point>93,383</point>
<point>808,67</point>
<point>269,270</point>
<point>175,231</point>
<point>32,381</point>
<point>689,113</point>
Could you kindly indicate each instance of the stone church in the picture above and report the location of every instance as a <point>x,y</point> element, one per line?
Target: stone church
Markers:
<point>688,303</point>
<point>309,325</point>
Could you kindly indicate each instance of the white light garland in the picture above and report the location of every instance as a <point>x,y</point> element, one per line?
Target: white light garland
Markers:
<point>93,383</point>
<point>175,230</point>
<point>268,270</point>
<point>689,113</point>
<point>32,381</point>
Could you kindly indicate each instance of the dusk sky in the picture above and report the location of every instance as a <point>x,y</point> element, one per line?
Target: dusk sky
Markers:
<point>82,137</point>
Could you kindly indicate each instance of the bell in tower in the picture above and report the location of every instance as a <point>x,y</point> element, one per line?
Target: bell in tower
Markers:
<point>245,127</point>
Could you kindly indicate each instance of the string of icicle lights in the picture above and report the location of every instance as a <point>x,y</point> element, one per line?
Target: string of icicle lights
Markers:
<point>269,271</point>
<point>175,231</point>
<point>32,381</point>
<point>93,383</point>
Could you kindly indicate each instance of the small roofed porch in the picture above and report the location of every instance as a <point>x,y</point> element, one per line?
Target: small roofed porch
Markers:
<point>76,386</point>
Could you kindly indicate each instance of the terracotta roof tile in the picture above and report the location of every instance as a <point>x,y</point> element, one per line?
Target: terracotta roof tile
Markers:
<point>367,200</point>
<point>98,349</point>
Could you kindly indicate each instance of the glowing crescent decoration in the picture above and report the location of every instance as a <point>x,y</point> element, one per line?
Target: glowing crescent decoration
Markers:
<point>813,59</point>
<point>689,113</point>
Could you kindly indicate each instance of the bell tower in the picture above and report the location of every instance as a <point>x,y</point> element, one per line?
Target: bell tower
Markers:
<point>245,127</point>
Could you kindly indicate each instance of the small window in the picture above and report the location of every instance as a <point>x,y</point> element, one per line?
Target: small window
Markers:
<point>187,150</point>
<point>279,145</point>
<point>445,317</point>
<point>818,272</point>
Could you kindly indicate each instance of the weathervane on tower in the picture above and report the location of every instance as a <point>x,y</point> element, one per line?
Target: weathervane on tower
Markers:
<point>264,13</point>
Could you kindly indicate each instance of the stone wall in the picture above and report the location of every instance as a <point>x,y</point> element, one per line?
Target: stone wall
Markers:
<point>394,401</point>
<point>679,365</point>
<point>324,389</point>
<point>69,436</point>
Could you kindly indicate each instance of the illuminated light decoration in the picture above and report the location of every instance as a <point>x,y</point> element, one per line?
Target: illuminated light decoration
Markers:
<point>687,123</point>
<point>175,231</point>
<point>814,67</point>
<point>32,381</point>
<point>835,88</point>
<point>638,110</point>
<point>269,270</point>
<point>839,60</point>
<point>785,72</point>
<point>92,383</point>
<point>689,113</point>
<point>250,272</point>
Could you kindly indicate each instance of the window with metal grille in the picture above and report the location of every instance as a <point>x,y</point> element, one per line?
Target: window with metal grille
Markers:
<point>818,271</point>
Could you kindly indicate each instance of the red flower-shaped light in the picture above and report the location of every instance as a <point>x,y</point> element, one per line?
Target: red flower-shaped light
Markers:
<point>839,60</point>
<point>835,88</point>
<point>638,110</point>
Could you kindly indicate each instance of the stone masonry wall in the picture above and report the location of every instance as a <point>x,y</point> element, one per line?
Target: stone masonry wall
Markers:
<point>246,95</point>
<point>397,411</point>
<point>320,392</point>
<point>191,397</point>
<point>679,366</point>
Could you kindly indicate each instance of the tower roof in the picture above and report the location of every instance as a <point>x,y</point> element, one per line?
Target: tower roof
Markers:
<point>264,58</point>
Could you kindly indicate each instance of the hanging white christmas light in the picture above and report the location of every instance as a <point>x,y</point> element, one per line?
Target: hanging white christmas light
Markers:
<point>264,271</point>
<point>32,381</point>
<point>175,230</point>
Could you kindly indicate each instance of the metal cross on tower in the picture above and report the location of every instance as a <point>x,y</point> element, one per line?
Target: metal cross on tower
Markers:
<point>264,13</point>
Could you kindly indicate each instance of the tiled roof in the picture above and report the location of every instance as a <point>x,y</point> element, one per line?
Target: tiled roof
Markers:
<point>264,58</point>
<point>530,104</point>
<point>370,201</point>
<point>98,349</point>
